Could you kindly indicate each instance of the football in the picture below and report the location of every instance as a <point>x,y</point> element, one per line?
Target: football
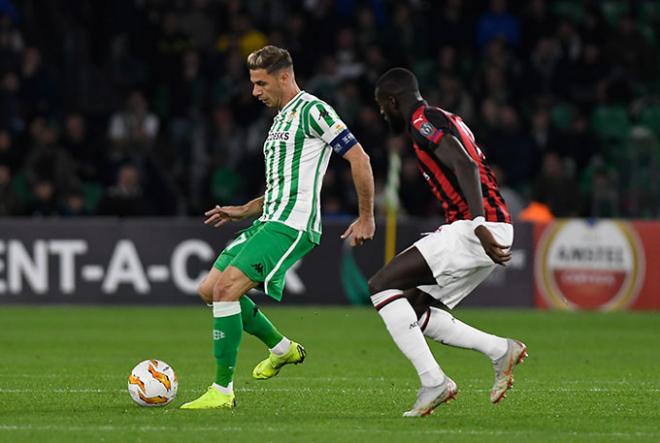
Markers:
<point>152,383</point>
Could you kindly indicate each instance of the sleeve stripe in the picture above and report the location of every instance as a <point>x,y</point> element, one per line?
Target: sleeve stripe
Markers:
<point>435,138</point>
<point>316,127</point>
<point>323,112</point>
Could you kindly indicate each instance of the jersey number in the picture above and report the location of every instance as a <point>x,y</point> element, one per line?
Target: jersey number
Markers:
<point>464,128</point>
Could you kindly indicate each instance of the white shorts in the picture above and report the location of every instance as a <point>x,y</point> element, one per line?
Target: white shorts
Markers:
<point>457,259</point>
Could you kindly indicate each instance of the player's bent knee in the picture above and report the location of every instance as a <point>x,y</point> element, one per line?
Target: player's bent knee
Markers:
<point>204,293</point>
<point>376,284</point>
<point>231,286</point>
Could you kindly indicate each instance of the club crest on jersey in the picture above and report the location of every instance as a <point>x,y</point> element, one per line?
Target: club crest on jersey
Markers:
<point>277,136</point>
<point>291,115</point>
<point>426,129</point>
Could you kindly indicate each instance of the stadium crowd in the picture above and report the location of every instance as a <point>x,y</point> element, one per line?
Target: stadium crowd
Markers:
<point>144,107</point>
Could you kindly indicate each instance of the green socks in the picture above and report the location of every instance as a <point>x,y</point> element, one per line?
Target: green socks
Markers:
<point>257,324</point>
<point>227,333</point>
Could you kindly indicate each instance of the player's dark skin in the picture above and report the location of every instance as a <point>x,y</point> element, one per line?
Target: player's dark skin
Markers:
<point>409,269</point>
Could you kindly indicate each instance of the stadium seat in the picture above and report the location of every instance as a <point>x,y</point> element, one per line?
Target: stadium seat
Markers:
<point>612,10</point>
<point>225,185</point>
<point>562,115</point>
<point>611,123</point>
<point>649,13</point>
<point>21,186</point>
<point>572,10</point>
<point>650,117</point>
<point>92,193</point>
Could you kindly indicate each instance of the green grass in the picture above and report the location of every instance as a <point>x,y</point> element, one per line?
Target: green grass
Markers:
<point>589,378</point>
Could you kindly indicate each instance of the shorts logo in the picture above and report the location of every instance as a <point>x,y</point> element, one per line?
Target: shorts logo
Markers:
<point>259,268</point>
<point>218,334</point>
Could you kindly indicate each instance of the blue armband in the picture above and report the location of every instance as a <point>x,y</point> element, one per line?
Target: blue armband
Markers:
<point>343,142</point>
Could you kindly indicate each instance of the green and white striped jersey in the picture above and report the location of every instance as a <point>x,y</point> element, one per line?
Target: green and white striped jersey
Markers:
<point>297,152</point>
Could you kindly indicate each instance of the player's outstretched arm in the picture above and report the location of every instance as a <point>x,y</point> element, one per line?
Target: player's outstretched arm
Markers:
<point>364,227</point>
<point>454,154</point>
<point>220,215</point>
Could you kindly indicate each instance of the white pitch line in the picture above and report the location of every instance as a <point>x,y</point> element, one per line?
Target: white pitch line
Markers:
<point>408,431</point>
<point>315,389</point>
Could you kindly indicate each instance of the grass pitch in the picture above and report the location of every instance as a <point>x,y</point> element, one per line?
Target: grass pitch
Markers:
<point>590,378</point>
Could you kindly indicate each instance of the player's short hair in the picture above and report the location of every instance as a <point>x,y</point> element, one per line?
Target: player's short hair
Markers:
<point>271,58</point>
<point>397,81</point>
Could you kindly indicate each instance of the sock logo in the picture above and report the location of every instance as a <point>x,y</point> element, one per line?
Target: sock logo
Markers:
<point>259,268</point>
<point>218,334</point>
<point>413,325</point>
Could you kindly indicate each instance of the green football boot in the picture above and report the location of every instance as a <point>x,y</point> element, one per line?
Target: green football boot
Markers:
<point>271,366</point>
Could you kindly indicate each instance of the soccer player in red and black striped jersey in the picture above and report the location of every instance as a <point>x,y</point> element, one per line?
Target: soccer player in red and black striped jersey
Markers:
<point>439,270</point>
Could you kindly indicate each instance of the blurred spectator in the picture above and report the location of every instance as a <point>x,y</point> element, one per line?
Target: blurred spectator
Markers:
<point>37,88</point>
<point>450,25</point>
<point>602,190</point>
<point>556,188</point>
<point>325,82</point>
<point>82,149</point>
<point>48,161</point>
<point>73,204</point>
<point>497,22</point>
<point>542,76</point>
<point>349,60</point>
<point>639,172</point>
<point>131,131</point>
<point>530,78</point>
<point>628,48</point>
<point>591,75</point>
<point>11,44</point>
<point>452,97</point>
<point>536,22</point>
<point>170,46</point>
<point>546,137</point>
<point>125,198</point>
<point>514,202</point>
<point>579,144</point>
<point>198,23</point>
<point>512,149</point>
<point>414,200</point>
<point>372,134</point>
<point>10,155</point>
<point>44,199</point>
<point>10,102</point>
<point>9,200</point>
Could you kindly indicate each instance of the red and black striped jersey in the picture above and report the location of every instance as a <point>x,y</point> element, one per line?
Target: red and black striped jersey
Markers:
<point>427,126</point>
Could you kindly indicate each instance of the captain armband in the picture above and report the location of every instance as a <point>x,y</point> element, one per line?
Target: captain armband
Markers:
<point>343,142</point>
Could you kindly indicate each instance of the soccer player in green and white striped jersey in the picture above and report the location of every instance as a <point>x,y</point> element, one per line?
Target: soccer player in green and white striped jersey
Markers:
<point>303,135</point>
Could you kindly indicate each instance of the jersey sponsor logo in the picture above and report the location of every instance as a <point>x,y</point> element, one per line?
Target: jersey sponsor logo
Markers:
<point>337,129</point>
<point>277,136</point>
<point>291,115</point>
<point>589,265</point>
